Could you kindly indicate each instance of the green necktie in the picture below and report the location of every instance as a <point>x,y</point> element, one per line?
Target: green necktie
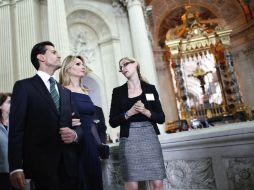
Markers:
<point>53,92</point>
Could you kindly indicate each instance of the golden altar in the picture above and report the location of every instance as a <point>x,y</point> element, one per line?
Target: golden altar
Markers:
<point>203,73</point>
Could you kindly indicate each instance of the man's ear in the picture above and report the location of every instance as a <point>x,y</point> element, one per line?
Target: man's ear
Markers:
<point>40,57</point>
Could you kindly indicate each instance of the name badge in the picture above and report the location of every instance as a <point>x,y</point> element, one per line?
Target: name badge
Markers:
<point>149,97</point>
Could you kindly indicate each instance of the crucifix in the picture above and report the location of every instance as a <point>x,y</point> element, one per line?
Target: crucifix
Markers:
<point>200,74</point>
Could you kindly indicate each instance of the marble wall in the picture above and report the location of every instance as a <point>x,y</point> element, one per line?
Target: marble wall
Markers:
<point>217,158</point>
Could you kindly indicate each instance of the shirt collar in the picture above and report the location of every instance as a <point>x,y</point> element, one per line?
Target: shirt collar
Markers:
<point>44,76</point>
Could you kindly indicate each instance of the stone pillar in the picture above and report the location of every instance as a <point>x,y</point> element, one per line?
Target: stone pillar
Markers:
<point>123,46</point>
<point>57,26</point>
<point>6,46</point>
<point>109,78</point>
<point>44,30</point>
<point>141,44</point>
<point>26,17</point>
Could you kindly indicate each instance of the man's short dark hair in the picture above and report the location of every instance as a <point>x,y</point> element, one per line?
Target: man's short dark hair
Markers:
<point>39,49</point>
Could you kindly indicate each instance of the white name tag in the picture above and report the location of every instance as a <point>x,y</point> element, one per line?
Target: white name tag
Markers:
<point>149,97</point>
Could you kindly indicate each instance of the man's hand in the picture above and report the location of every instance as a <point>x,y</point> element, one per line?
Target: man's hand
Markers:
<point>18,179</point>
<point>68,135</point>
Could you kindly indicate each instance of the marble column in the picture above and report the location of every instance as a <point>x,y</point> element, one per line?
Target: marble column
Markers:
<point>122,47</point>
<point>6,46</point>
<point>106,49</point>
<point>57,26</point>
<point>44,20</point>
<point>26,17</point>
<point>141,44</point>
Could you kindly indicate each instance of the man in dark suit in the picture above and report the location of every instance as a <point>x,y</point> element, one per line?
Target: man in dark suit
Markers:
<point>43,133</point>
<point>99,121</point>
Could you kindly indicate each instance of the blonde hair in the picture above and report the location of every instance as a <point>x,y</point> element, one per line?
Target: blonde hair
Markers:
<point>64,77</point>
<point>138,66</point>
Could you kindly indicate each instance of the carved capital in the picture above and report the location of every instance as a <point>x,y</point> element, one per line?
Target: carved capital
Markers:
<point>123,2</point>
<point>119,7</point>
<point>6,2</point>
<point>129,2</point>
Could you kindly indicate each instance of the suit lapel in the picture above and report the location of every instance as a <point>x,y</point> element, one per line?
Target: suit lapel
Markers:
<point>143,87</point>
<point>62,94</point>
<point>40,86</point>
<point>125,90</point>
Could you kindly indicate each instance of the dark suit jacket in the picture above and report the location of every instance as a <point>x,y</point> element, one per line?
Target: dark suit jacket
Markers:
<point>34,141</point>
<point>118,108</point>
<point>99,121</point>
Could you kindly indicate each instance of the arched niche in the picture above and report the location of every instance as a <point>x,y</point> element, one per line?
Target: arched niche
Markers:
<point>90,36</point>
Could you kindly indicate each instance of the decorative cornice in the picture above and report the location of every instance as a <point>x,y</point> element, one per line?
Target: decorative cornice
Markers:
<point>196,44</point>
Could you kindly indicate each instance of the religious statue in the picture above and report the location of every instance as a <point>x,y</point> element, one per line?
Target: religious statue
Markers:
<point>218,51</point>
<point>200,74</point>
<point>81,46</point>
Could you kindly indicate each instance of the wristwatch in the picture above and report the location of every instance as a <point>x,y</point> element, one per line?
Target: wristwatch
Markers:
<point>126,115</point>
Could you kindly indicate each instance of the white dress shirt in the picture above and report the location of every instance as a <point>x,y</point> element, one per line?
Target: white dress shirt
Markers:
<point>45,78</point>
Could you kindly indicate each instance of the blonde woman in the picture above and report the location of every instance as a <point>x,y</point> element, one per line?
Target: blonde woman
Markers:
<point>136,107</point>
<point>72,71</point>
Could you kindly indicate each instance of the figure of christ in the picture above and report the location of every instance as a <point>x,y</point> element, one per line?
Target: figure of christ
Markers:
<point>200,74</point>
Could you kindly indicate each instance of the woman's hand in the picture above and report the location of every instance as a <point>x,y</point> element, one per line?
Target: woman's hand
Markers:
<point>132,111</point>
<point>140,107</point>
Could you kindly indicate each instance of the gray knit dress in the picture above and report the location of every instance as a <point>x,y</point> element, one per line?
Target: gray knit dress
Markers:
<point>141,154</point>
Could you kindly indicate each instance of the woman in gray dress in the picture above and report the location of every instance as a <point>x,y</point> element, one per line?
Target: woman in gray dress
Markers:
<point>136,108</point>
<point>5,102</point>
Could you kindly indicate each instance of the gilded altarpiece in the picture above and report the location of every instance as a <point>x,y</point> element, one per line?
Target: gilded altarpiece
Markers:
<point>205,80</point>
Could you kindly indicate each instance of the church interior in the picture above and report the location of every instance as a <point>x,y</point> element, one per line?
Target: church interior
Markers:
<point>185,26</point>
<point>198,53</point>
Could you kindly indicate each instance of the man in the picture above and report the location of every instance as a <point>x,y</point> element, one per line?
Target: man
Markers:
<point>43,134</point>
